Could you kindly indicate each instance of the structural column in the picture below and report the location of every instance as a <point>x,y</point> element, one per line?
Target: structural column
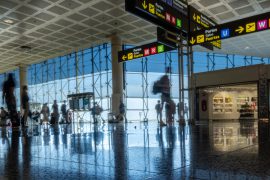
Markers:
<point>117,74</point>
<point>23,78</point>
<point>263,105</point>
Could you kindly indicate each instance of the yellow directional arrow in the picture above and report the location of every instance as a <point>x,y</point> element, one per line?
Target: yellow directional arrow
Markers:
<point>192,41</point>
<point>194,17</point>
<point>144,4</point>
<point>124,57</point>
<point>240,30</point>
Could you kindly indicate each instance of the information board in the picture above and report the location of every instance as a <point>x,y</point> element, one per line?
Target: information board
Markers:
<point>160,13</point>
<point>236,28</point>
<point>167,38</point>
<point>142,51</point>
<point>199,21</point>
<point>180,5</point>
<point>199,18</point>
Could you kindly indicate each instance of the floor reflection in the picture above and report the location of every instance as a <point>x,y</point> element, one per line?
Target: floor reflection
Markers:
<point>234,135</point>
<point>132,151</point>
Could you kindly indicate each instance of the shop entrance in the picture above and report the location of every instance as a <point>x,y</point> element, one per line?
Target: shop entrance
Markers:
<point>228,102</point>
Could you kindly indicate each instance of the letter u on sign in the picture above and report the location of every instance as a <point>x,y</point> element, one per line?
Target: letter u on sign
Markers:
<point>225,33</point>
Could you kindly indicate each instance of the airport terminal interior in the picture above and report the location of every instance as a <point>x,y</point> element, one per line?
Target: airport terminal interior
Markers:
<point>135,89</point>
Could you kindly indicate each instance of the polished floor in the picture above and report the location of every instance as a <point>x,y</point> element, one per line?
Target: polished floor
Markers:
<point>218,150</point>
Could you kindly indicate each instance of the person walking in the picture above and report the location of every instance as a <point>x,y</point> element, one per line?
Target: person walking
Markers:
<point>186,111</point>
<point>64,111</point>
<point>45,111</point>
<point>25,106</point>
<point>167,112</point>
<point>172,110</point>
<point>158,109</point>
<point>96,112</point>
<point>55,113</point>
<point>163,86</point>
<point>10,100</point>
<point>122,111</point>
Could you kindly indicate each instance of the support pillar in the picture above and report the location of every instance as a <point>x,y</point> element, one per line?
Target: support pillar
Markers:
<point>181,84</point>
<point>191,88</point>
<point>263,105</point>
<point>117,74</point>
<point>23,78</point>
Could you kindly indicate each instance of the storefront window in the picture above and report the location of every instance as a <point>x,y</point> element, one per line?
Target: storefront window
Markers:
<point>229,102</point>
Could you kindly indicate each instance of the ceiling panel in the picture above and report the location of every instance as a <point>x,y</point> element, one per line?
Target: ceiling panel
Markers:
<point>54,27</point>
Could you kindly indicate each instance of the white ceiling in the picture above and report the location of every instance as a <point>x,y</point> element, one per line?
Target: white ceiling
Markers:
<point>56,27</point>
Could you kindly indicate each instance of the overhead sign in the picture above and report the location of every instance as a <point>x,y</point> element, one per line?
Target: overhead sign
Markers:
<point>199,18</point>
<point>172,40</point>
<point>160,13</point>
<point>142,51</point>
<point>167,38</point>
<point>196,27</point>
<point>236,28</point>
<point>179,5</point>
<point>200,21</point>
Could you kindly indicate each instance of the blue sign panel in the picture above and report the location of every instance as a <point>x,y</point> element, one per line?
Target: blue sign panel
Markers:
<point>225,33</point>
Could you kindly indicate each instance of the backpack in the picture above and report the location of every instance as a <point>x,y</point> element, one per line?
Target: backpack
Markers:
<point>156,87</point>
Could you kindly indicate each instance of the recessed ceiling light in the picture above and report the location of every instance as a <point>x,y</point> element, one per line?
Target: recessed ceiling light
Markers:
<point>247,48</point>
<point>8,21</point>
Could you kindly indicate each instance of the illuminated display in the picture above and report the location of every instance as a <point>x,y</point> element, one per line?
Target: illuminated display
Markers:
<point>161,12</point>
<point>232,29</point>
<point>142,51</point>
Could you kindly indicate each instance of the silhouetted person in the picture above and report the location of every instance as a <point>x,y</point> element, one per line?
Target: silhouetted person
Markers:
<point>122,111</point>
<point>163,86</point>
<point>96,111</point>
<point>159,111</point>
<point>167,111</point>
<point>55,113</point>
<point>186,110</point>
<point>69,116</point>
<point>25,105</point>
<point>172,110</point>
<point>45,111</point>
<point>9,98</point>
<point>178,110</point>
<point>64,111</point>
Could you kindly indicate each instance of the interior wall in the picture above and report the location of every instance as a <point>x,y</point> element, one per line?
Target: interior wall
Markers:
<point>228,76</point>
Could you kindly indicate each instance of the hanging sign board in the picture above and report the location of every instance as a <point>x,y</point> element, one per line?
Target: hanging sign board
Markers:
<point>167,38</point>
<point>200,21</point>
<point>199,18</point>
<point>160,13</point>
<point>180,5</point>
<point>236,28</point>
<point>142,51</point>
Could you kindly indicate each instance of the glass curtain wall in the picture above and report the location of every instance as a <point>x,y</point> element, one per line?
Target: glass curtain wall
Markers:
<point>140,77</point>
<point>89,70</point>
